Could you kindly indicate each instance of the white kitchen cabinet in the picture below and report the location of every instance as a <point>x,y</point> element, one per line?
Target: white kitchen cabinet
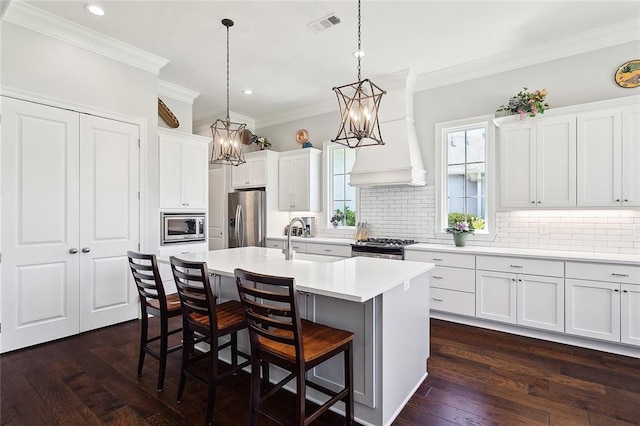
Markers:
<point>72,183</point>
<point>521,298</point>
<point>183,170</point>
<point>603,302</point>
<point>609,157</point>
<point>538,163</point>
<point>329,249</point>
<point>217,207</point>
<point>253,173</point>
<point>452,282</point>
<point>299,180</point>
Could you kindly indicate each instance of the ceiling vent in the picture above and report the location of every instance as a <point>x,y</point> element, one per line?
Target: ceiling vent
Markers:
<point>324,23</point>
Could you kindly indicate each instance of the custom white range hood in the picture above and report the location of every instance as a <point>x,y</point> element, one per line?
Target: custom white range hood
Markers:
<point>399,161</point>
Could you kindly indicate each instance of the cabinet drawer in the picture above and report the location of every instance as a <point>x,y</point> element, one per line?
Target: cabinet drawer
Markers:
<point>604,272</point>
<point>329,249</point>
<point>275,244</point>
<point>455,302</point>
<point>299,247</point>
<point>551,268</point>
<point>453,279</point>
<point>456,260</point>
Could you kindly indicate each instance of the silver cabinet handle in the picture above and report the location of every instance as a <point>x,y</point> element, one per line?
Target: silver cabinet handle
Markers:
<point>437,259</point>
<point>73,250</point>
<point>516,266</point>
<point>436,277</point>
<point>436,299</point>
<point>328,250</point>
<point>86,249</point>
<point>619,275</point>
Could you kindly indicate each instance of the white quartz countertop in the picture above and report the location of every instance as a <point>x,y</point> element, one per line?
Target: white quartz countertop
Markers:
<point>316,240</point>
<point>356,279</point>
<point>632,259</point>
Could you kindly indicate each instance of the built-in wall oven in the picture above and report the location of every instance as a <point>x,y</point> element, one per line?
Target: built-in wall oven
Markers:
<point>387,248</point>
<point>182,227</point>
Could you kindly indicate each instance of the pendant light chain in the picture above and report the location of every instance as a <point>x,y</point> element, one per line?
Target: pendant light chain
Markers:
<point>359,49</point>
<point>228,119</point>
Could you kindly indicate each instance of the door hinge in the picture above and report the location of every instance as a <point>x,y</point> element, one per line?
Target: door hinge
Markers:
<point>138,195</point>
<point>138,142</point>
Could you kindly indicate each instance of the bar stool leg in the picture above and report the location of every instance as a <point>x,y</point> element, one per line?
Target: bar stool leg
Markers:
<point>144,329</point>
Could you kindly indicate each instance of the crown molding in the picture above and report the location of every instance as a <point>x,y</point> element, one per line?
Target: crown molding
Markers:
<point>176,92</point>
<point>205,123</point>
<point>598,38</point>
<point>35,19</point>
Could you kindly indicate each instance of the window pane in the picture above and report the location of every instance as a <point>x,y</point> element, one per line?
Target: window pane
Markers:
<point>338,161</point>
<point>456,181</point>
<point>456,209</point>
<point>350,215</point>
<point>455,148</point>
<point>476,207</point>
<point>350,191</point>
<point>338,187</point>
<point>338,207</point>
<point>350,158</point>
<point>475,179</point>
<point>475,145</point>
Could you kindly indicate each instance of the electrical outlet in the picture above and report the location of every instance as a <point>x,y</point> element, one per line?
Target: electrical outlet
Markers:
<point>543,228</point>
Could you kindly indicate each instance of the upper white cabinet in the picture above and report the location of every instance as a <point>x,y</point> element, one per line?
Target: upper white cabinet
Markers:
<point>299,180</point>
<point>608,157</point>
<point>538,163</point>
<point>183,170</point>
<point>253,173</point>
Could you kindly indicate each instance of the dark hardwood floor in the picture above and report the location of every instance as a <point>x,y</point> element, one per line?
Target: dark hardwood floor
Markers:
<point>476,377</point>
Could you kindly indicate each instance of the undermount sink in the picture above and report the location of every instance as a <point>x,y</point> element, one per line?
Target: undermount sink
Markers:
<point>308,257</point>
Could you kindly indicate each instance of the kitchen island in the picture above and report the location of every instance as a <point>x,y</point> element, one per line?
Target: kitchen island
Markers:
<point>384,302</point>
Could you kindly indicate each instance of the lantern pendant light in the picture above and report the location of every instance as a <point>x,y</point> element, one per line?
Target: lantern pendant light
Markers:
<point>359,103</point>
<point>227,147</point>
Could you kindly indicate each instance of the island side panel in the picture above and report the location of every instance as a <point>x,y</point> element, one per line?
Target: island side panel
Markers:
<point>405,343</point>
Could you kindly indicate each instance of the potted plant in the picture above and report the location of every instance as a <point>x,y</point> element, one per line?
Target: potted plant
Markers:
<point>525,103</point>
<point>460,232</point>
<point>261,141</point>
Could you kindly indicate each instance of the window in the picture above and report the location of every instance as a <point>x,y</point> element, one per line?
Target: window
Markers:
<point>464,176</point>
<point>341,197</point>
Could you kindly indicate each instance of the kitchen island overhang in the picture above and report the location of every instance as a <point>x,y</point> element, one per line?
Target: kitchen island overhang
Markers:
<point>384,302</point>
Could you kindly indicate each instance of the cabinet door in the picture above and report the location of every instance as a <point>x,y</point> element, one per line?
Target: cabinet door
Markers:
<point>217,208</point>
<point>496,296</point>
<point>257,172</point>
<point>240,175</point>
<point>541,302</point>
<point>630,314</point>
<point>593,309</point>
<point>556,162</point>
<point>194,169</point>
<point>631,156</point>
<point>170,183</point>
<point>286,177</point>
<point>294,183</point>
<point>517,165</point>
<point>599,152</point>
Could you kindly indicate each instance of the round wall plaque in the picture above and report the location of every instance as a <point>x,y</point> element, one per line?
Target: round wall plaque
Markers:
<point>628,75</point>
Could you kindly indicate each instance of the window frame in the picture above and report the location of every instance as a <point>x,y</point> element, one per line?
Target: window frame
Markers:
<point>441,130</point>
<point>327,161</point>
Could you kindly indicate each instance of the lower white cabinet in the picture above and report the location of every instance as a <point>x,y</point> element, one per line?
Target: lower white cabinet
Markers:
<point>603,302</point>
<point>529,300</point>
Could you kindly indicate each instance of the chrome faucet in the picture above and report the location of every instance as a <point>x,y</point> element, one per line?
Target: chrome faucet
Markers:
<point>287,250</point>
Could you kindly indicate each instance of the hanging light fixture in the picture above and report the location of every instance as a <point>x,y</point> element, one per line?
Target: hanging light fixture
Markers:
<point>359,103</point>
<point>227,148</point>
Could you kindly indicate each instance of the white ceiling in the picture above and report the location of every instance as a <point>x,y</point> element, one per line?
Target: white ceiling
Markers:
<point>289,67</point>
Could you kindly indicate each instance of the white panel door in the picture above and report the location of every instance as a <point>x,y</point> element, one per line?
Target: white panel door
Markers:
<point>599,144</point>
<point>40,224</point>
<point>517,165</point>
<point>593,309</point>
<point>630,314</point>
<point>217,208</point>
<point>109,184</point>
<point>631,156</point>
<point>541,302</point>
<point>556,162</point>
<point>496,296</point>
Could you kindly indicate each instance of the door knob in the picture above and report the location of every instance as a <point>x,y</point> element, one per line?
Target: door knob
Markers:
<point>86,249</point>
<point>73,250</point>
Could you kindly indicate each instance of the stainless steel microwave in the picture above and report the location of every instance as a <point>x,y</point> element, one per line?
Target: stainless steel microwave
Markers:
<point>182,227</point>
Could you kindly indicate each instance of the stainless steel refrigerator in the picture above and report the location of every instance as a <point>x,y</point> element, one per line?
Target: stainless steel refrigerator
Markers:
<point>247,219</point>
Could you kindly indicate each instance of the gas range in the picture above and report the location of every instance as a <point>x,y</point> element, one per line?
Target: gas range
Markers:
<point>389,248</point>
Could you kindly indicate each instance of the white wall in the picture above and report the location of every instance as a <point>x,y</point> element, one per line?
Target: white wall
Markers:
<point>34,63</point>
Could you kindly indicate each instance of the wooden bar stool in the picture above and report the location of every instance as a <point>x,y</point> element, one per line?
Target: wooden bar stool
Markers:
<point>153,301</point>
<point>278,336</point>
<point>205,321</point>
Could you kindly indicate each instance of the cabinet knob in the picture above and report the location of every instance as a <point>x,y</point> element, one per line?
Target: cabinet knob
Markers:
<point>436,299</point>
<point>625,200</point>
<point>625,291</point>
<point>539,202</point>
<point>73,250</point>
<point>86,249</point>
<point>616,290</point>
<point>533,202</point>
<point>513,279</point>
<point>617,200</point>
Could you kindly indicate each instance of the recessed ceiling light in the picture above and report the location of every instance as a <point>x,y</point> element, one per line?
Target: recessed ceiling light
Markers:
<point>95,9</point>
<point>247,92</point>
<point>358,53</point>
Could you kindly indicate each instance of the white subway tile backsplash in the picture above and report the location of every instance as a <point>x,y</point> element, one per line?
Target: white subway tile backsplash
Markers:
<point>409,212</point>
